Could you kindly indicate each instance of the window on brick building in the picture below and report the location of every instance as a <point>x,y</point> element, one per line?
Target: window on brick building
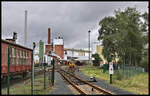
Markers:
<point>18,52</point>
<point>22,53</point>
<point>18,56</point>
<point>13,52</point>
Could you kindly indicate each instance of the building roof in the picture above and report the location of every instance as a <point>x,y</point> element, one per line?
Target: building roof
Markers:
<point>84,58</point>
<point>77,50</point>
<point>15,44</point>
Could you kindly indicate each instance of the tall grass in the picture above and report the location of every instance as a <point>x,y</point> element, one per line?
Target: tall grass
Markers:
<point>25,87</point>
<point>137,84</point>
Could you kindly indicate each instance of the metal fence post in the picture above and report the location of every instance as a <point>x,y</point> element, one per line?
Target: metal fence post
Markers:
<point>49,76</point>
<point>53,70</point>
<point>110,78</point>
<point>8,79</point>
<point>32,74</point>
<point>32,71</point>
<point>44,74</point>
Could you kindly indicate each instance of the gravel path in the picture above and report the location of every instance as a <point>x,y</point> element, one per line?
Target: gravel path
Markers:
<point>61,86</point>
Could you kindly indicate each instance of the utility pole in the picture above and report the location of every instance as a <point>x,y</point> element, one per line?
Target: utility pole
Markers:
<point>89,51</point>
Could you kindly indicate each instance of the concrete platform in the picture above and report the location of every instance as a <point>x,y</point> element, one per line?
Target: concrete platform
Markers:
<point>61,86</point>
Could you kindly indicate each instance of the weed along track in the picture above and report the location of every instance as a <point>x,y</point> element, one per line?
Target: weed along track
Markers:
<point>13,81</point>
<point>82,86</point>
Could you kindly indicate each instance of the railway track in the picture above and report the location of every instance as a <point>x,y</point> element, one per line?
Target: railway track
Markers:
<point>21,80</point>
<point>82,86</point>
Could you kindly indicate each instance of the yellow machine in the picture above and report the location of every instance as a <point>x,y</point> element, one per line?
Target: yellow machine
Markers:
<point>71,66</point>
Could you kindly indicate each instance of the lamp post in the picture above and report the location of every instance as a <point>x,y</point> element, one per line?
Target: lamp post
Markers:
<point>89,51</point>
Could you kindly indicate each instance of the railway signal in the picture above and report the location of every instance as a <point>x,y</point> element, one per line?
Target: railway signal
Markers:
<point>111,70</point>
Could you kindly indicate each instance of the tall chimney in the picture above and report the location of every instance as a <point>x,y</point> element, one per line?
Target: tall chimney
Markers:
<point>49,36</point>
<point>25,29</point>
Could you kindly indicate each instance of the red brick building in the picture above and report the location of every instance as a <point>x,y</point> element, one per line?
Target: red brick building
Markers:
<point>59,50</point>
<point>57,46</point>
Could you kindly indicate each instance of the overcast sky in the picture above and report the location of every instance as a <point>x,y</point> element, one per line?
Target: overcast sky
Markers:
<point>71,20</point>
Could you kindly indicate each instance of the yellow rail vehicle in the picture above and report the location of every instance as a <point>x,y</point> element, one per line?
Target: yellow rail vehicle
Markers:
<point>71,68</point>
<point>72,65</point>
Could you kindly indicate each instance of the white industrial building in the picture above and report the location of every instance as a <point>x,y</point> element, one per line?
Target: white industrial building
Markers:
<point>77,54</point>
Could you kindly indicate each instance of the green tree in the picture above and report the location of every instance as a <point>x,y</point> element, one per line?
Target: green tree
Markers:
<point>106,33</point>
<point>96,60</point>
<point>123,34</point>
<point>144,29</point>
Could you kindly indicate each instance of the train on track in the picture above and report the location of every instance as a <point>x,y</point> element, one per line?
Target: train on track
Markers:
<point>20,59</point>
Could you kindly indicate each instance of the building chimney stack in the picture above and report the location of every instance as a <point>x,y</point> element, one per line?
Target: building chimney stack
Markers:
<point>49,36</point>
<point>15,36</point>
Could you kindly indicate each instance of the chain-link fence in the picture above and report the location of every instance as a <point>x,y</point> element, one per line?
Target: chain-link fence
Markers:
<point>123,70</point>
<point>20,86</point>
<point>127,71</point>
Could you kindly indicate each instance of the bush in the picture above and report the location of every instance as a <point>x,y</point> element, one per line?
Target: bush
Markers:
<point>118,75</point>
<point>144,63</point>
<point>96,63</point>
<point>97,59</point>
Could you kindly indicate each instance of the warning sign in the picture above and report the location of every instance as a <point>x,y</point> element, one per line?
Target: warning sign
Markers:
<point>111,70</point>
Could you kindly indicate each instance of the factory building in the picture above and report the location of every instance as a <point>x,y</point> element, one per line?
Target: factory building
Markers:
<point>48,47</point>
<point>57,46</point>
<point>77,54</point>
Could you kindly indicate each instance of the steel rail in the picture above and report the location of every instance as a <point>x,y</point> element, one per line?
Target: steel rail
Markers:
<point>93,86</point>
<point>74,85</point>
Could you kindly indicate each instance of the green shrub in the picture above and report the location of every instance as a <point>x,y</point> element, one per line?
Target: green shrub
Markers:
<point>144,63</point>
<point>97,59</point>
<point>118,75</point>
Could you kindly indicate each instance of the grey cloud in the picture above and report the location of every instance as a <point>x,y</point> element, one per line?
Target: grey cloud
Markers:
<point>72,20</point>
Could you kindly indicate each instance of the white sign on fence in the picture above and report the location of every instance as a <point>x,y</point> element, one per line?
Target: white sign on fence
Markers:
<point>111,70</point>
